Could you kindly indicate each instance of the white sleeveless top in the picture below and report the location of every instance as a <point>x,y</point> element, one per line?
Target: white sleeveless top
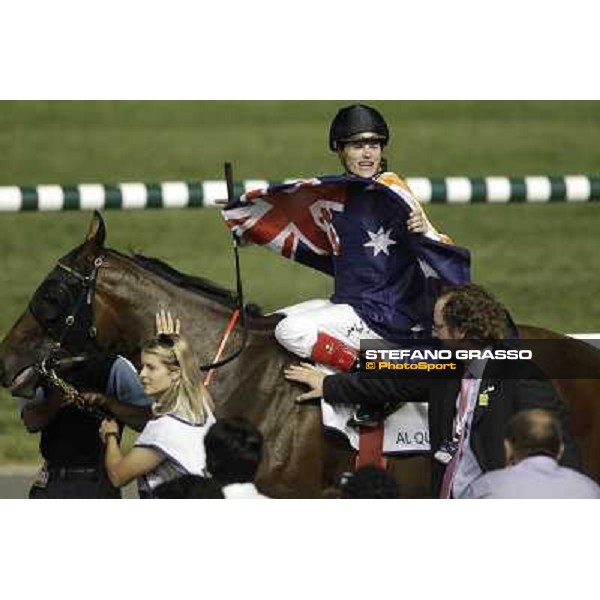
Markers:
<point>180,442</point>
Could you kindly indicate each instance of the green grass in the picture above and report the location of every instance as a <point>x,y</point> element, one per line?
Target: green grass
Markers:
<point>62,142</point>
<point>541,260</point>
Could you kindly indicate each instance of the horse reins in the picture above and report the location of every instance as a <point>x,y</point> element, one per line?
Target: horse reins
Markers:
<point>231,323</point>
<point>239,313</point>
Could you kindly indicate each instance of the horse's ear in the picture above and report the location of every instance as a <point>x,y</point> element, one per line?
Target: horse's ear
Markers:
<point>97,231</point>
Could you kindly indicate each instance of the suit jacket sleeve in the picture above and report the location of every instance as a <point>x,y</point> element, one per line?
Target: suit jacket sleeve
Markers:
<point>353,388</point>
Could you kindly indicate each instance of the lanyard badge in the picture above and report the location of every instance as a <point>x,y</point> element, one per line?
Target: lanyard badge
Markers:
<point>484,396</point>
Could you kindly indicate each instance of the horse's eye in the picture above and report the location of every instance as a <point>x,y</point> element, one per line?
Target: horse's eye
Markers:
<point>51,308</point>
<point>52,301</point>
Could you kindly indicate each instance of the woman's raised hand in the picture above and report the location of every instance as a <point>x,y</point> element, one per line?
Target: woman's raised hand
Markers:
<point>165,324</point>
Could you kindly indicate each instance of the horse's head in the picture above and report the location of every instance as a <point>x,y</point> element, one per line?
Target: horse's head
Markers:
<point>59,318</point>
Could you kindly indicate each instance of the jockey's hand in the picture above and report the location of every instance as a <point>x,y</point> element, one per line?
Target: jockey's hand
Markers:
<point>108,426</point>
<point>165,323</point>
<point>311,376</point>
<point>417,222</point>
<point>242,242</point>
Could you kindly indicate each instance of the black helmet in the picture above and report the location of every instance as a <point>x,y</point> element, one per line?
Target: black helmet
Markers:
<point>354,119</point>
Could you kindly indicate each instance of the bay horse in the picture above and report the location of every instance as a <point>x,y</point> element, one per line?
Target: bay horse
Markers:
<point>118,296</point>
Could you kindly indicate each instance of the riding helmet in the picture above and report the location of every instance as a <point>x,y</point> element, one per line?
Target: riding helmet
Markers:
<point>354,119</point>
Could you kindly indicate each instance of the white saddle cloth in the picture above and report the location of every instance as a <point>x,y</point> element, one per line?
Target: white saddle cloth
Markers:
<point>405,430</point>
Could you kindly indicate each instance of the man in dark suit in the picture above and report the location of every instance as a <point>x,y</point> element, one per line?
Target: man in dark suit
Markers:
<point>468,414</point>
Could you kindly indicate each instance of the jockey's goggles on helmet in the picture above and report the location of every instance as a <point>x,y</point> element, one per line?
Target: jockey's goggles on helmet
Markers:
<point>363,138</point>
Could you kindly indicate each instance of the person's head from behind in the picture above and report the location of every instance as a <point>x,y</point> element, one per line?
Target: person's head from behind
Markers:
<point>358,134</point>
<point>468,312</point>
<point>169,374</point>
<point>189,486</point>
<point>233,451</point>
<point>534,432</point>
<point>368,482</point>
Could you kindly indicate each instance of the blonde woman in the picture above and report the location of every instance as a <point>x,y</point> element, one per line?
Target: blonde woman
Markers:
<point>172,443</point>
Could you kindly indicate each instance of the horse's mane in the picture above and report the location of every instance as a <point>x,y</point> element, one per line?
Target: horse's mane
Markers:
<point>200,285</point>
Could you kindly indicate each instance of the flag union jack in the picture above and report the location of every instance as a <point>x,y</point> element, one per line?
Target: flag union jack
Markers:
<point>294,220</point>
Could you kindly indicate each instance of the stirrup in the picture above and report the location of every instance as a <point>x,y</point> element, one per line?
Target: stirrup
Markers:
<point>372,416</point>
<point>366,417</point>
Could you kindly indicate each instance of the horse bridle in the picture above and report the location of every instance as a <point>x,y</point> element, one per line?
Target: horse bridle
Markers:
<point>66,330</point>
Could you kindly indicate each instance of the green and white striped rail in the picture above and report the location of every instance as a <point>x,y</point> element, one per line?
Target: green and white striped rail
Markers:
<point>197,194</point>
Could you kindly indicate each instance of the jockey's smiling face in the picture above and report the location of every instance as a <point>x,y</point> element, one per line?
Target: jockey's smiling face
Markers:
<point>361,157</point>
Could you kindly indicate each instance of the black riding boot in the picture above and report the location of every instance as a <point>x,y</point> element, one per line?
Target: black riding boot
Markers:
<point>367,415</point>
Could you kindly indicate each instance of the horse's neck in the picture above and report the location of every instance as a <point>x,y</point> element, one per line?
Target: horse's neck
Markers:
<point>131,306</point>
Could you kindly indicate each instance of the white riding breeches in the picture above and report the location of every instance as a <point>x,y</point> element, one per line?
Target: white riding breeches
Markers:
<point>303,322</point>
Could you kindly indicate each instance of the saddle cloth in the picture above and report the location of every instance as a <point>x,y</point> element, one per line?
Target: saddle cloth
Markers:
<point>405,430</point>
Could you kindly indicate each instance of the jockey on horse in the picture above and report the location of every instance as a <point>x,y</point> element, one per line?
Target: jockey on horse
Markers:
<point>365,229</point>
<point>378,285</point>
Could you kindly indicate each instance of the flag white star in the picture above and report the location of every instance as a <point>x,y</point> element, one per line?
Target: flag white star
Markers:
<point>380,241</point>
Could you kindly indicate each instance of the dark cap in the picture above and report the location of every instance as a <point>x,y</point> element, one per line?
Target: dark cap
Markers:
<point>355,119</point>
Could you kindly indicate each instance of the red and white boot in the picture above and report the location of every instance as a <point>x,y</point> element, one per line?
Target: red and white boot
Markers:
<point>333,352</point>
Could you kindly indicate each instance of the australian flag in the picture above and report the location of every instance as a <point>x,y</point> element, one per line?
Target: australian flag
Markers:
<point>355,230</point>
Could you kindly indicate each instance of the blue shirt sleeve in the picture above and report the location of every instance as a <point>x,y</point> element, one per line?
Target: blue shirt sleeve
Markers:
<point>124,384</point>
